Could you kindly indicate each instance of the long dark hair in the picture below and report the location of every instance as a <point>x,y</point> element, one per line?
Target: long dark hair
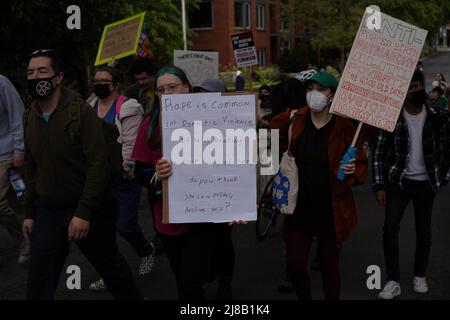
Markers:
<point>153,130</point>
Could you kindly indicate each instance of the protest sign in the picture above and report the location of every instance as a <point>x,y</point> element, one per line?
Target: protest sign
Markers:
<point>244,49</point>
<point>198,65</point>
<point>120,39</point>
<point>210,138</point>
<point>380,66</point>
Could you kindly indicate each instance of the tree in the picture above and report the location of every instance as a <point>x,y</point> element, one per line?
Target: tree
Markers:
<point>29,25</point>
<point>333,24</point>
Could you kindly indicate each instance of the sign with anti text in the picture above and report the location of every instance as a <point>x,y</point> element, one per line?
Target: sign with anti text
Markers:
<point>380,66</point>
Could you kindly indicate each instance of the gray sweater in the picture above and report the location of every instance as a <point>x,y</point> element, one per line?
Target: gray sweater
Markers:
<point>11,127</point>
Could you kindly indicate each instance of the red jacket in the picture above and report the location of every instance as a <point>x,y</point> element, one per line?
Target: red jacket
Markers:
<point>344,209</point>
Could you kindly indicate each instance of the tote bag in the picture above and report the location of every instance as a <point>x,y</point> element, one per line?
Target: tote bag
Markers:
<point>285,181</point>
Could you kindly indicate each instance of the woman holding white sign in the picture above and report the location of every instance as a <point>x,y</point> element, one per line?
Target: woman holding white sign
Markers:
<point>325,206</point>
<point>189,247</point>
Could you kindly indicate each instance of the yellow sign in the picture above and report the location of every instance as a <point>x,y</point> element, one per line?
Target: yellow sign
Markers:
<point>120,39</point>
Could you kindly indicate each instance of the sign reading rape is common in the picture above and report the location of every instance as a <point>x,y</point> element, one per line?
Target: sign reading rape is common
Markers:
<point>379,69</point>
<point>198,65</point>
<point>120,39</point>
<point>210,139</point>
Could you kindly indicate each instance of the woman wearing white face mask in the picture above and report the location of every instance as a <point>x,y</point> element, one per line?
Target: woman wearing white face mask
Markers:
<point>325,206</point>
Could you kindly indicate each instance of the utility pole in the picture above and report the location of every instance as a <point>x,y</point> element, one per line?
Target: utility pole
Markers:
<point>183,21</point>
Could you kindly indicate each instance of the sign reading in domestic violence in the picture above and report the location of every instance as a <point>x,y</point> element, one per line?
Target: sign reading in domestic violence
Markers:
<point>120,39</point>
<point>244,49</point>
<point>198,65</point>
<point>210,138</point>
<point>379,69</point>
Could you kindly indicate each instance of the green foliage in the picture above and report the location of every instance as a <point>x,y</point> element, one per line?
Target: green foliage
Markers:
<point>29,25</point>
<point>333,24</point>
<point>297,59</point>
<point>266,75</point>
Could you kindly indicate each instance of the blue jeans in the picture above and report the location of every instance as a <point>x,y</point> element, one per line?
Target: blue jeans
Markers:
<point>128,197</point>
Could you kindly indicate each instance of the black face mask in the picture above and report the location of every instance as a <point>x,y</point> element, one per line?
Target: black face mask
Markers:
<point>101,90</point>
<point>418,97</point>
<point>41,88</point>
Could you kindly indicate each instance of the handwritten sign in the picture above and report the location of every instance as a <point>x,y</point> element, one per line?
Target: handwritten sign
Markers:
<point>379,69</point>
<point>244,49</point>
<point>198,65</point>
<point>120,39</point>
<point>208,137</point>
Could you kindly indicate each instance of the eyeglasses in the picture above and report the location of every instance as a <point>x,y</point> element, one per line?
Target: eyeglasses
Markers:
<point>102,81</point>
<point>46,52</point>
<point>170,88</point>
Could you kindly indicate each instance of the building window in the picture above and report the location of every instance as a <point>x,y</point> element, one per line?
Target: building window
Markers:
<point>202,17</point>
<point>284,26</point>
<point>262,57</point>
<point>285,45</point>
<point>260,16</point>
<point>242,14</point>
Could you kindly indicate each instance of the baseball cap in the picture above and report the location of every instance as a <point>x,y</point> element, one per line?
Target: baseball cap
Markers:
<point>325,79</point>
<point>211,85</point>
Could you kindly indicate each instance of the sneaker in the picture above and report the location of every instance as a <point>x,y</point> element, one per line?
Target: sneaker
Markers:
<point>24,253</point>
<point>146,265</point>
<point>420,285</point>
<point>391,289</point>
<point>98,286</point>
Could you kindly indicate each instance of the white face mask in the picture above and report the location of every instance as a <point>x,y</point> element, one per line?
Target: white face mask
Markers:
<point>316,101</point>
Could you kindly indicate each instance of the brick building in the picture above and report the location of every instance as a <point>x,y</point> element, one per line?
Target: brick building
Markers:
<point>215,21</point>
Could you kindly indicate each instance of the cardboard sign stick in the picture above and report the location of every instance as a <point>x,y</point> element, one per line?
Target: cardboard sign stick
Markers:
<point>358,130</point>
<point>251,78</point>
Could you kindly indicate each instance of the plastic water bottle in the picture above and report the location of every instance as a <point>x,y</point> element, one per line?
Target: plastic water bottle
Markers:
<point>350,154</point>
<point>16,182</point>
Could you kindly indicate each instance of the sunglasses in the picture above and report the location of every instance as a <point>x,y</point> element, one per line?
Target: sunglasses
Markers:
<point>43,52</point>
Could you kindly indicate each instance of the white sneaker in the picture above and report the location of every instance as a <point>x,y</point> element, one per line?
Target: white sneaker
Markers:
<point>98,286</point>
<point>146,265</point>
<point>391,289</point>
<point>420,285</point>
<point>24,254</point>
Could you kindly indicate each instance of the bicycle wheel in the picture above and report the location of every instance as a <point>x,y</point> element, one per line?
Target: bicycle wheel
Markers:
<point>267,212</point>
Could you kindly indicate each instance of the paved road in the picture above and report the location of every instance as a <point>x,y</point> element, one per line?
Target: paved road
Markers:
<point>437,63</point>
<point>259,265</point>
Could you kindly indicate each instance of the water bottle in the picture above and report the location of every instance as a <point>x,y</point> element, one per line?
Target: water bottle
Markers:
<point>350,154</point>
<point>16,182</point>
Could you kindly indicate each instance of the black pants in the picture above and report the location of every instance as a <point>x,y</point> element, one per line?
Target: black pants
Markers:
<point>190,255</point>
<point>224,256</point>
<point>422,196</point>
<point>128,196</point>
<point>297,243</point>
<point>50,247</point>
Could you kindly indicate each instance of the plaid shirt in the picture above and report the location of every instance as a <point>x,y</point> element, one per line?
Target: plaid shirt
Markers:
<point>390,154</point>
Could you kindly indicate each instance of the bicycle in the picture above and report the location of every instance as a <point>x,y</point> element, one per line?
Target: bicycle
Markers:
<point>267,213</point>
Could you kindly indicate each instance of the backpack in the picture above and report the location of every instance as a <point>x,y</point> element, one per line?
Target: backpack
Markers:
<point>111,133</point>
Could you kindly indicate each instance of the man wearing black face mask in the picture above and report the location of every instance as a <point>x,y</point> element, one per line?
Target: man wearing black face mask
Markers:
<point>67,180</point>
<point>411,164</point>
